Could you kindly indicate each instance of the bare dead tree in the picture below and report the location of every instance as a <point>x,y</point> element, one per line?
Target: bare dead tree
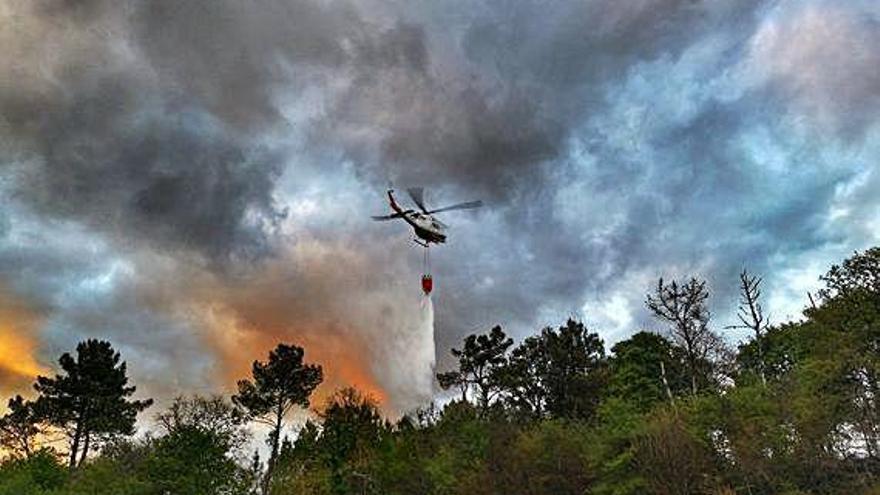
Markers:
<point>683,307</point>
<point>751,315</point>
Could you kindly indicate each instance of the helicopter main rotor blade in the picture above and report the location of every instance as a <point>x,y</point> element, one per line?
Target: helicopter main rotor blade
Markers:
<point>460,206</point>
<point>380,218</point>
<point>418,196</point>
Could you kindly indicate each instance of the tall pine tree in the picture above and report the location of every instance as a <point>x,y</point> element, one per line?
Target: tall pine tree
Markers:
<point>89,400</point>
<point>279,384</point>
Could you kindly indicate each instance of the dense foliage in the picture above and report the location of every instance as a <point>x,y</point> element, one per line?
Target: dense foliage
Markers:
<point>794,410</point>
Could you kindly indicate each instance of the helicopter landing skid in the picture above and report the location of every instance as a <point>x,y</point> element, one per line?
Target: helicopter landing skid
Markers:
<point>424,244</point>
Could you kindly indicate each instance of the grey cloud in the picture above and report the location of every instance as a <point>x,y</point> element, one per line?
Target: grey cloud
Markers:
<point>230,56</point>
<point>147,123</point>
<point>819,59</point>
<point>80,288</point>
<point>402,115</point>
<point>614,142</point>
<point>184,184</point>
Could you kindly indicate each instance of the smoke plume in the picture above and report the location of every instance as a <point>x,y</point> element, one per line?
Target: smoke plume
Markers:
<point>193,180</point>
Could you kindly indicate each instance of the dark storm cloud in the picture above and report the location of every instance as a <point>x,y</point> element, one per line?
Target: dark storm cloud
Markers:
<point>229,56</point>
<point>103,142</point>
<point>565,57</point>
<point>534,72</point>
<point>147,121</point>
<point>180,181</point>
<point>684,193</point>
<point>613,141</point>
<point>525,73</point>
<point>401,115</point>
<point>65,284</point>
<point>154,135</point>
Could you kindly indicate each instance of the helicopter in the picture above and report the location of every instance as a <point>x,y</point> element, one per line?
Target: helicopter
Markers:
<point>427,228</point>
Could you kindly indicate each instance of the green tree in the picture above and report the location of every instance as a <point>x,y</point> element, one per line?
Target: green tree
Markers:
<point>279,385</point>
<point>849,319</point>
<point>859,273</point>
<point>39,474</point>
<point>212,414</point>
<point>192,460</point>
<point>559,372</point>
<point>612,453</point>
<point>458,448</point>
<point>300,467</point>
<point>548,458</point>
<point>670,457</point>
<point>782,348</point>
<point>753,434</point>
<point>120,469</point>
<point>575,371</point>
<point>522,378</point>
<point>647,369</point>
<point>20,428</point>
<point>351,428</point>
<point>479,360</point>
<point>89,401</point>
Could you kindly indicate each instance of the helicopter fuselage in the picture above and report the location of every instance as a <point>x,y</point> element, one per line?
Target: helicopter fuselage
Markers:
<point>425,226</point>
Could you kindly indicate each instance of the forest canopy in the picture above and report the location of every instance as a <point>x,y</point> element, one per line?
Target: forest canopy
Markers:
<point>791,410</point>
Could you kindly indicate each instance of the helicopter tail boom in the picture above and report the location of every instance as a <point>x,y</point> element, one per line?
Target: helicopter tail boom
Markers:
<point>393,203</point>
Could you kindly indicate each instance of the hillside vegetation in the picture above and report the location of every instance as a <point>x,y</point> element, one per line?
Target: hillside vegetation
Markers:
<point>793,410</point>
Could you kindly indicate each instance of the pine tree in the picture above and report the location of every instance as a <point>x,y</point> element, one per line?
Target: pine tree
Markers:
<point>479,360</point>
<point>278,385</point>
<point>89,401</point>
<point>19,428</point>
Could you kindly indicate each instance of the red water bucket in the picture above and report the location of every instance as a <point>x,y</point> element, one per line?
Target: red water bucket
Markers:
<point>427,284</point>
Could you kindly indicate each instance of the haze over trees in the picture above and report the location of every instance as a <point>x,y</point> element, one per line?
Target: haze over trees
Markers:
<point>792,410</point>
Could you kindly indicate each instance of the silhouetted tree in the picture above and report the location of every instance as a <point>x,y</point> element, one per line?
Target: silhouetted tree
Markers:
<point>19,428</point>
<point>522,378</point>
<point>860,273</point>
<point>212,414</point>
<point>478,360</point>
<point>574,374</point>
<point>751,316</point>
<point>683,307</point>
<point>456,379</point>
<point>558,373</point>
<point>89,401</point>
<point>279,385</point>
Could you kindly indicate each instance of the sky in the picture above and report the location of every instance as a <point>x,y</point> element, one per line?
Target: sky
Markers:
<point>193,181</point>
